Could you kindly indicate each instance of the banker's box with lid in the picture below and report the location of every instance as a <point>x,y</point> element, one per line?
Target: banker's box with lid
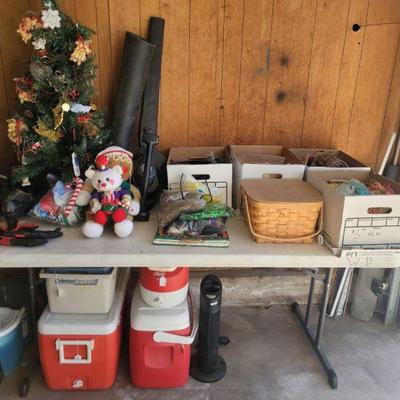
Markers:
<point>282,210</point>
<point>369,222</point>
<point>81,351</point>
<point>80,292</point>
<point>160,344</point>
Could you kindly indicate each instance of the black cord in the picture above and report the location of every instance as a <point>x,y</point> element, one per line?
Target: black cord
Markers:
<point>180,187</point>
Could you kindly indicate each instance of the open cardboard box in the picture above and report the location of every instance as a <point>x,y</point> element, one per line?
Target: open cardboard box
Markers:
<point>218,175</point>
<point>302,154</point>
<point>353,221</point>
<point>247,161</point>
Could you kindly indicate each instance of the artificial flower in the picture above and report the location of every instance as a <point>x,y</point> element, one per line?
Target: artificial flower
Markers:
<point>84,119</point>
<point>25,96</point>
<point>51,18</point>
<point>39,44</point>
<point>27,25</point>
<point>81,51</point>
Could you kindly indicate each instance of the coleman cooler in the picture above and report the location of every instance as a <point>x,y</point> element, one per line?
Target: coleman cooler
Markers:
<point>80,292</point>
<point>164,289</point>
<point>160,343</point>
<point>81,351</point>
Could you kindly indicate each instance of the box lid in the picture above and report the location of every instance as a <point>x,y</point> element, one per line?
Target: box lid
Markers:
<point>151,319</point>
<point>87,324</point>
<point>280,191</point>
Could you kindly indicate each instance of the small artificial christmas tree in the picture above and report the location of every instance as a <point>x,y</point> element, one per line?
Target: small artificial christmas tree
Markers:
<point>57,121</point>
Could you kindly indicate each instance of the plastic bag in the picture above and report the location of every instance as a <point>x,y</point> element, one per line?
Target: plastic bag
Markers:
<point>211,210</point>
<point>172,205</point>
<point>204,227</point>
<point>57,206</point>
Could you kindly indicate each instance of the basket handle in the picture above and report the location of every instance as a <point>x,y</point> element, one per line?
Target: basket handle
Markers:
<point>276,238</point>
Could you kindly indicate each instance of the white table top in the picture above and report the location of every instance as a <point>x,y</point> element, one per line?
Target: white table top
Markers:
<point>73,250</point>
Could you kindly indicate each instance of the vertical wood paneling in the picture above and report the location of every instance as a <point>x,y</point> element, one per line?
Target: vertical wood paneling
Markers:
<point>329,32</point>
<point>105,71</point>
<point>289,64</point>
<point>5,146</point>
<point>391,122</point>
<point>124,16</point>
<point>384,12</point>
<point>372,90</point>
<point>204,96</point>
<point>245,71</point>
<point>86,14</point>
<point>233,36</point>
<point>254,70</point>
<point>148,8</point>
<point>15,53</point>
<point>67,7</point>
<point>348,73</point>
<point>175,74</point>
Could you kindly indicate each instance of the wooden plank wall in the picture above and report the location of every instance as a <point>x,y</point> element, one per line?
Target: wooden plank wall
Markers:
<point>296,72</point>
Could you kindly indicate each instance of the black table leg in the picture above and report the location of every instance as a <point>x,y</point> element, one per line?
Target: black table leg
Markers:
<point>304,322</point>
<point>25,383</point>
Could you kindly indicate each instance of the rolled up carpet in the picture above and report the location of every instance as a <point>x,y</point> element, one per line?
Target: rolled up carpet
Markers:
<point>135,67</point>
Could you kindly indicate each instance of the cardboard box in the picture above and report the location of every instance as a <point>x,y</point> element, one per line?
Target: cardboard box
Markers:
<point>218,176</point>
<point>254,162</point>
<point>302,154</point>
<point>351,221</point>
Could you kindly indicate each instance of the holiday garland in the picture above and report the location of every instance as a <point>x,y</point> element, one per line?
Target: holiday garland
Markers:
<point>56,117</point>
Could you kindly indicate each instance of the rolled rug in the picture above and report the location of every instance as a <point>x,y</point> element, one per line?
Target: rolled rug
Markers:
<point>136,62</point>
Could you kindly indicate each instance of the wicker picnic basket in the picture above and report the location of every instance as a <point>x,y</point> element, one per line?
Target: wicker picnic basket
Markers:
<point>282,210</point>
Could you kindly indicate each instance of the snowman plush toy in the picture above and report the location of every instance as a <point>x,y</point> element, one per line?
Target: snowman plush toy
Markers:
<point>109,202</point>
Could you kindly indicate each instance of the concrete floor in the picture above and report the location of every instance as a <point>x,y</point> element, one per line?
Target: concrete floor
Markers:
<point>270,358</point>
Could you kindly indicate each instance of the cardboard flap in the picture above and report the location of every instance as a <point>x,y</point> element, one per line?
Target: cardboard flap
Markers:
<point>281,191</point>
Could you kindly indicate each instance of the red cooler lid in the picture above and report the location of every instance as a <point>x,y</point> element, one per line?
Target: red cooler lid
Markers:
<point>168,281</point>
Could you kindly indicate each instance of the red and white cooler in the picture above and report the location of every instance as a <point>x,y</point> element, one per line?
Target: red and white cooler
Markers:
<point>160,343</point>
<point>81,351</point>
<point>164,289</point>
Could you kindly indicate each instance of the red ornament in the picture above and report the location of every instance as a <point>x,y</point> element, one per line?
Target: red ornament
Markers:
<point>42,53</point>
<point>74,94</point>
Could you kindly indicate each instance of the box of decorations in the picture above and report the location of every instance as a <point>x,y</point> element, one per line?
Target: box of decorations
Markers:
<point>362,209</point>
<point>327,159</point>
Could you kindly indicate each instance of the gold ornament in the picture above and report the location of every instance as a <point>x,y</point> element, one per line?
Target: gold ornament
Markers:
<point>51,134</point>
<point>81,51</point>
<point>16,128</point>
<point>58,113</point>
<point>93,107</point>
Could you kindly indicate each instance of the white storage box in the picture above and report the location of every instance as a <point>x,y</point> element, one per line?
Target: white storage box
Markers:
<point>217,175</point>
<point>358,221</point>
<point>303,155</point>
<point>259,161</point>
<point>80,293</point>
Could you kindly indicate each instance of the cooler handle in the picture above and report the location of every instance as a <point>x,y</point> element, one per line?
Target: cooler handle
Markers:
<point>60,347</point>
<point>165,337</point>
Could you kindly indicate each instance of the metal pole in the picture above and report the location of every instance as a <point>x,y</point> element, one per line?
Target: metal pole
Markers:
<point>324,304</point>
<point>309,301</point>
